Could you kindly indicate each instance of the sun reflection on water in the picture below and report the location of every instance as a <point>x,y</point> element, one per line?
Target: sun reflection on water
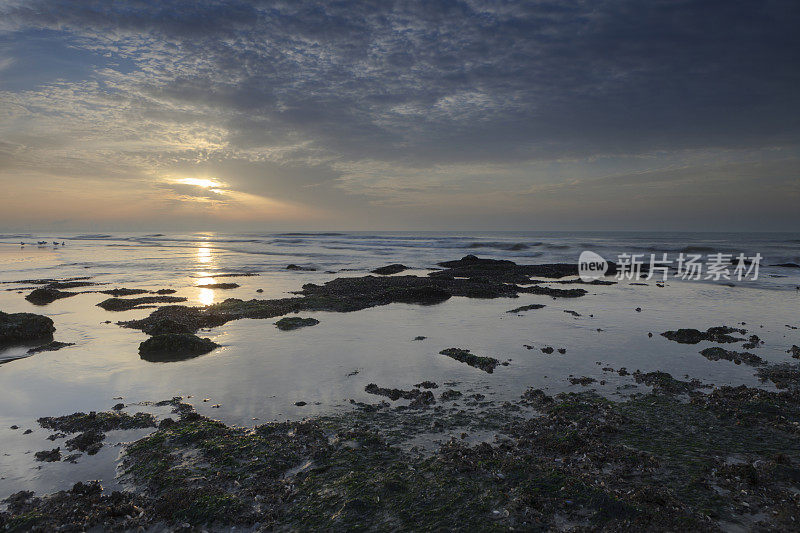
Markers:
<point>204,254</point>
<point>205,257</point>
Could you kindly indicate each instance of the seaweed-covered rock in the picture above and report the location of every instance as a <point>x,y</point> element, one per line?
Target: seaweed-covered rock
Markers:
<point>783,375</point>
<point>583,380</point>
<point>219,286</point>
<point>51,346</point>
<point>450,395</point>
<point>664,383</point>
<point>295,322</point>
<point>716,353</point>
<point>124,292</point>
<point>356,293</point>
<point>721,334</point>
<point>94,421</point>
<point>387,270</point>
<point>48,456</point>
<point>89,441</point>
<point>418,398</point>
<point>487,364</point>
<point>166,326</point>
<point>46,295</point>
<point>525,308</point>
<point>22,327</point>
<point>126,304</point>
<point>292,266</point>
<point>174,346</point>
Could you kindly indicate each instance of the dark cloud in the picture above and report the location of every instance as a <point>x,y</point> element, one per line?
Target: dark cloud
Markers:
<point>332,86</point>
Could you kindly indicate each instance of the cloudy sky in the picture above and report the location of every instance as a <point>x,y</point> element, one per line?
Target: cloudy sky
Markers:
<point>400,115</point>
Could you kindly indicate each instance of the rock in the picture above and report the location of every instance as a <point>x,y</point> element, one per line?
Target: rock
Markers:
<point>425,295</point>
<point>573,313</point>
<point>795,351</point>
<point>562,351</point>
<point>390,269</point>
<point>51,346</point>
<point>424,399</point>
<point>219,286</point>
<point>418,398</point>
<point>753,342</point>
<point>525,308</point>
<point>89,441</point>
<point>449,395</point>
<point>583,380</point>
<point>716,353</point>
<point>103,421</point>
<point>295,322</point>
<point>665,383</point>
<point>48,456</point>
<point>44,296</point>
<point>165,326</point>
<point>347,294</point>
<point>487,364</point>
<point>427,385</point>
<point>166,291</point>
<point>22,327</point>
<point>547,349</point>
<point>126,304</point>
<point>68,284</point>
<point>300,403</point>
<point>174,347</point>
<point>784,375</point>
<point>788,265</point>
<point>298,267</point>
<point>719,334</point>
<point>419,338</point>
<point>119,407</point>
<point>124,292</point>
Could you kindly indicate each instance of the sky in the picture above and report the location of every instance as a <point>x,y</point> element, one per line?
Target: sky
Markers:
<point>430,115</point>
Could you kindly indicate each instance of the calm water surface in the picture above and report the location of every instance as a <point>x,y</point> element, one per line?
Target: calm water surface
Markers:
<point>260,372</point>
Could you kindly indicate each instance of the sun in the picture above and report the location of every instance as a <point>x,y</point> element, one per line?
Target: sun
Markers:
<point>200,182</point>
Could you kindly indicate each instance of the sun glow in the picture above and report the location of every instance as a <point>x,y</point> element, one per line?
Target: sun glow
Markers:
<point>199,182</point>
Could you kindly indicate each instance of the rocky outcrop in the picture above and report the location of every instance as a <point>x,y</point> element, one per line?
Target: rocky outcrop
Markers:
<point>390,269</point>
<point>174,347</point>
<point>295,322</point>
<point>47,295</point>
<point>22,327</point>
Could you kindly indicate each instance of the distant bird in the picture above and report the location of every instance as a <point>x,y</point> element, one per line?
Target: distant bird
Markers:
<point>21,243</point>
<point>55,243</point>
<point>63,243</point>
<point>42,243</point>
